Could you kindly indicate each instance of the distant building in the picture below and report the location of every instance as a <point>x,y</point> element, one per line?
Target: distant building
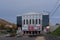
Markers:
<point>19,21</point>
<point>45,20</point>
<point>33,19</point>
<point>8,26</point>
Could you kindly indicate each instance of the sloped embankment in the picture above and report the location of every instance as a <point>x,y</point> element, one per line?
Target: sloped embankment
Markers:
<point>56,32</point>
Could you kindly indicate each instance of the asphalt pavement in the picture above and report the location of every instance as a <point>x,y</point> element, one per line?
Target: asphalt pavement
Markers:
<point>17,38</point>
<point>51,37</point>
<point>42,37</point>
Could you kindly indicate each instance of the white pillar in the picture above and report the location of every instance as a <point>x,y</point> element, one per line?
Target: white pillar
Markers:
<point>38,21</point>
<point>41,22</point>
<point>35,21</point>
<point>25,21</point>
<point>31,21</point>
<point>28,22</point>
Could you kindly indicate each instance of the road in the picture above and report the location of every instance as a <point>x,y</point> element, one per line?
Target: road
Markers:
<point>17,38</point>
<point>51,37</point>
<point>45,37</point>
<point>23,38</point>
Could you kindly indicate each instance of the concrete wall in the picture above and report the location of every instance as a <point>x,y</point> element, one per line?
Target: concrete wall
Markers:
<point>54,27</point>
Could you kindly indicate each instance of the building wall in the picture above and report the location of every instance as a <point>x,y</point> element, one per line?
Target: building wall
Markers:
<point>32,19</point>
<point>19,21</point>
<point>54,27</point>
<point>45,20</point>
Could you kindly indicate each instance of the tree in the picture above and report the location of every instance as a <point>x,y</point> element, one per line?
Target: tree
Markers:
<point>2,26</point>
<point>14,26</point>
<point>57,24</point>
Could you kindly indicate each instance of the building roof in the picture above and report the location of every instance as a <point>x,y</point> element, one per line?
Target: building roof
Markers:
<point>30,13</point>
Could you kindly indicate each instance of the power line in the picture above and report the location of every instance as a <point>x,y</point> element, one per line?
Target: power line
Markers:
<point>55,8</point>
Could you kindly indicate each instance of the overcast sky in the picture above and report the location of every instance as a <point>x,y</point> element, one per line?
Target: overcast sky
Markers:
<point>10,8</point>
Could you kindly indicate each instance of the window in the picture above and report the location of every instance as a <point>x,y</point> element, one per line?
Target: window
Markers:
<point>32,21</point>
<point>26,21</point>
<point>39,21</point>
<point>36,21</point>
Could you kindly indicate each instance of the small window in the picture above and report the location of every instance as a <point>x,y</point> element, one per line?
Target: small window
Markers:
<point>36,21</point>
<point>24,21</point>
<point>32,21</point>
<point>27,21</point>
<point>39,21</point>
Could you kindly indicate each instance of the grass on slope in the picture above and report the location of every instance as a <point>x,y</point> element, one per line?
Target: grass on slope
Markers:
<point>56,32</point>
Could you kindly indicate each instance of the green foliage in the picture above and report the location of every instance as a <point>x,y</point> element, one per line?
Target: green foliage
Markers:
<point>57,24</point>
<point>56,32</point>
<point>1,26</point>
<point>14,27</point>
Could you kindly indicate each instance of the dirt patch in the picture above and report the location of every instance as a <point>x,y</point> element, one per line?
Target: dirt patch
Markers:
<point>40,38</point>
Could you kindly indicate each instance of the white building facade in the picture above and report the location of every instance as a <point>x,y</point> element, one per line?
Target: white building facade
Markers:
<point>34,19</point>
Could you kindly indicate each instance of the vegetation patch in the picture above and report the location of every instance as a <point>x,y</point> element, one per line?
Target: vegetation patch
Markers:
<point>56,32</point>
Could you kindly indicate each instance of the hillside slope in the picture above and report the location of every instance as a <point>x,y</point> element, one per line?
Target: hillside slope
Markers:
<point>56,32</point>
<point>4,22</point>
